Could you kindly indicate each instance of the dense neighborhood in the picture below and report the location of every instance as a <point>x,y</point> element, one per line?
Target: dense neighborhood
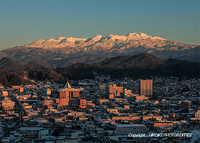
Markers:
<point>102,110</point>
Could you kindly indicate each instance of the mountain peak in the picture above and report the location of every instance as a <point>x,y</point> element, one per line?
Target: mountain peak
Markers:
<point>137,36</point>
<point>111,35</point>
<point>139,33</point>
<point>96,38</point>
<point>61,38</point>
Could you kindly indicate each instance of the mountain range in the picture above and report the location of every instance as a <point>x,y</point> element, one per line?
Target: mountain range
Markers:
<point>62,52</point>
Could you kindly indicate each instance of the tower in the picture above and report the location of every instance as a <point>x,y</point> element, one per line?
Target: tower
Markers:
<point>146,87</point>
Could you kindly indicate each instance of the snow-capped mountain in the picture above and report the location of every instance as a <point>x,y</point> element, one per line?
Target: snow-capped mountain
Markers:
<point>120,42</point>
<point>71,50</point>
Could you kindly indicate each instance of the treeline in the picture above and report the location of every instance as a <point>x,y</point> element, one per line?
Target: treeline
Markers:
<point>85,71</point>
<point>11,78</point>
<point>138,66</point>
<point>43,74</point>
<point>181,69</point>
<point>18,78</point>
<point>77,71</point>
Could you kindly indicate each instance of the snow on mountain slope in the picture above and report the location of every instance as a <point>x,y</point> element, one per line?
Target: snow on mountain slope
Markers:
<point>104,46</point>
<point>129,40</point>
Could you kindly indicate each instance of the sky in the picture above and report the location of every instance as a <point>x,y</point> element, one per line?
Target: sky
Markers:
<point>25,21</point>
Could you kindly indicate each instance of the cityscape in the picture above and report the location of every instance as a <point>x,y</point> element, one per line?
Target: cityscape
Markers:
<point>99,71</point>
<point>102,110</point>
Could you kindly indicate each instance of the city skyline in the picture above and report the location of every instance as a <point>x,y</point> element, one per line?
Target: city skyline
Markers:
<point>23,22</point>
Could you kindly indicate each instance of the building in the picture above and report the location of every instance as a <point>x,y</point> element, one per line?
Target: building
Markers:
<point>21,89</point>
<point>146,87</point>
<point>163,124</point>
<point>4,93</point>
<point>74,102</point>
<point>48,102</point>
<point>185,105</point>
<point>125,129</point>
<point>8,104</point>
<point>111,96</point>
<point>66,94</point>
<point>16,87</point>
<point>128,94</point>
<point>112,110</point>
<point>69,138</point>
<point>197,114</point>
<point>127,118</point>
<point>48,91</point>
<point>141,98</point>
<point>117,91</point>
<point>151,116</point>
<point>30,132</point>
<point>102,87</point>
<point>83,103</point>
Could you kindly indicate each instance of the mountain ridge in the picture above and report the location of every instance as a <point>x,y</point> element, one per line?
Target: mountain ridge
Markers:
<point>141,65</point>
<point>58,41</point>
<point>138,60</point>
<point>62,48</point>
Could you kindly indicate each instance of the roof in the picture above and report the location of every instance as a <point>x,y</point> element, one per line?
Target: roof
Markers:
<point>68,89</point>
<point>61,137</point>
<point>44,130</point>
<point>30,128</point>
<point>100,129</point>
<point>130,125</point>
<point>67,85</point>
<point>114,138</point>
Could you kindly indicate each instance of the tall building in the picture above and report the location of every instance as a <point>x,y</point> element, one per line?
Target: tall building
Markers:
<point>146,87</point>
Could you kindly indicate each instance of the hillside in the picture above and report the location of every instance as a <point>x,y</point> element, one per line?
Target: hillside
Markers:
<point>141,65</point>
<point>141,60</point>
<point>9,64</point>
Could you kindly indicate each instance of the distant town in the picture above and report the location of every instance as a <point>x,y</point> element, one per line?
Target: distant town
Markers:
<point>158,109</point>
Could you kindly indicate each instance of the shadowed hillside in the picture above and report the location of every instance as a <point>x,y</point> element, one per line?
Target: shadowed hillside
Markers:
<point>10,65</point>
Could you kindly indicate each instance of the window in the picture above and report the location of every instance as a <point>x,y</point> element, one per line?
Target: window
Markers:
<point>71,94</point>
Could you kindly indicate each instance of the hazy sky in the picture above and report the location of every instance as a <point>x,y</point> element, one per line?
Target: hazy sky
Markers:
<point>25,21</point>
